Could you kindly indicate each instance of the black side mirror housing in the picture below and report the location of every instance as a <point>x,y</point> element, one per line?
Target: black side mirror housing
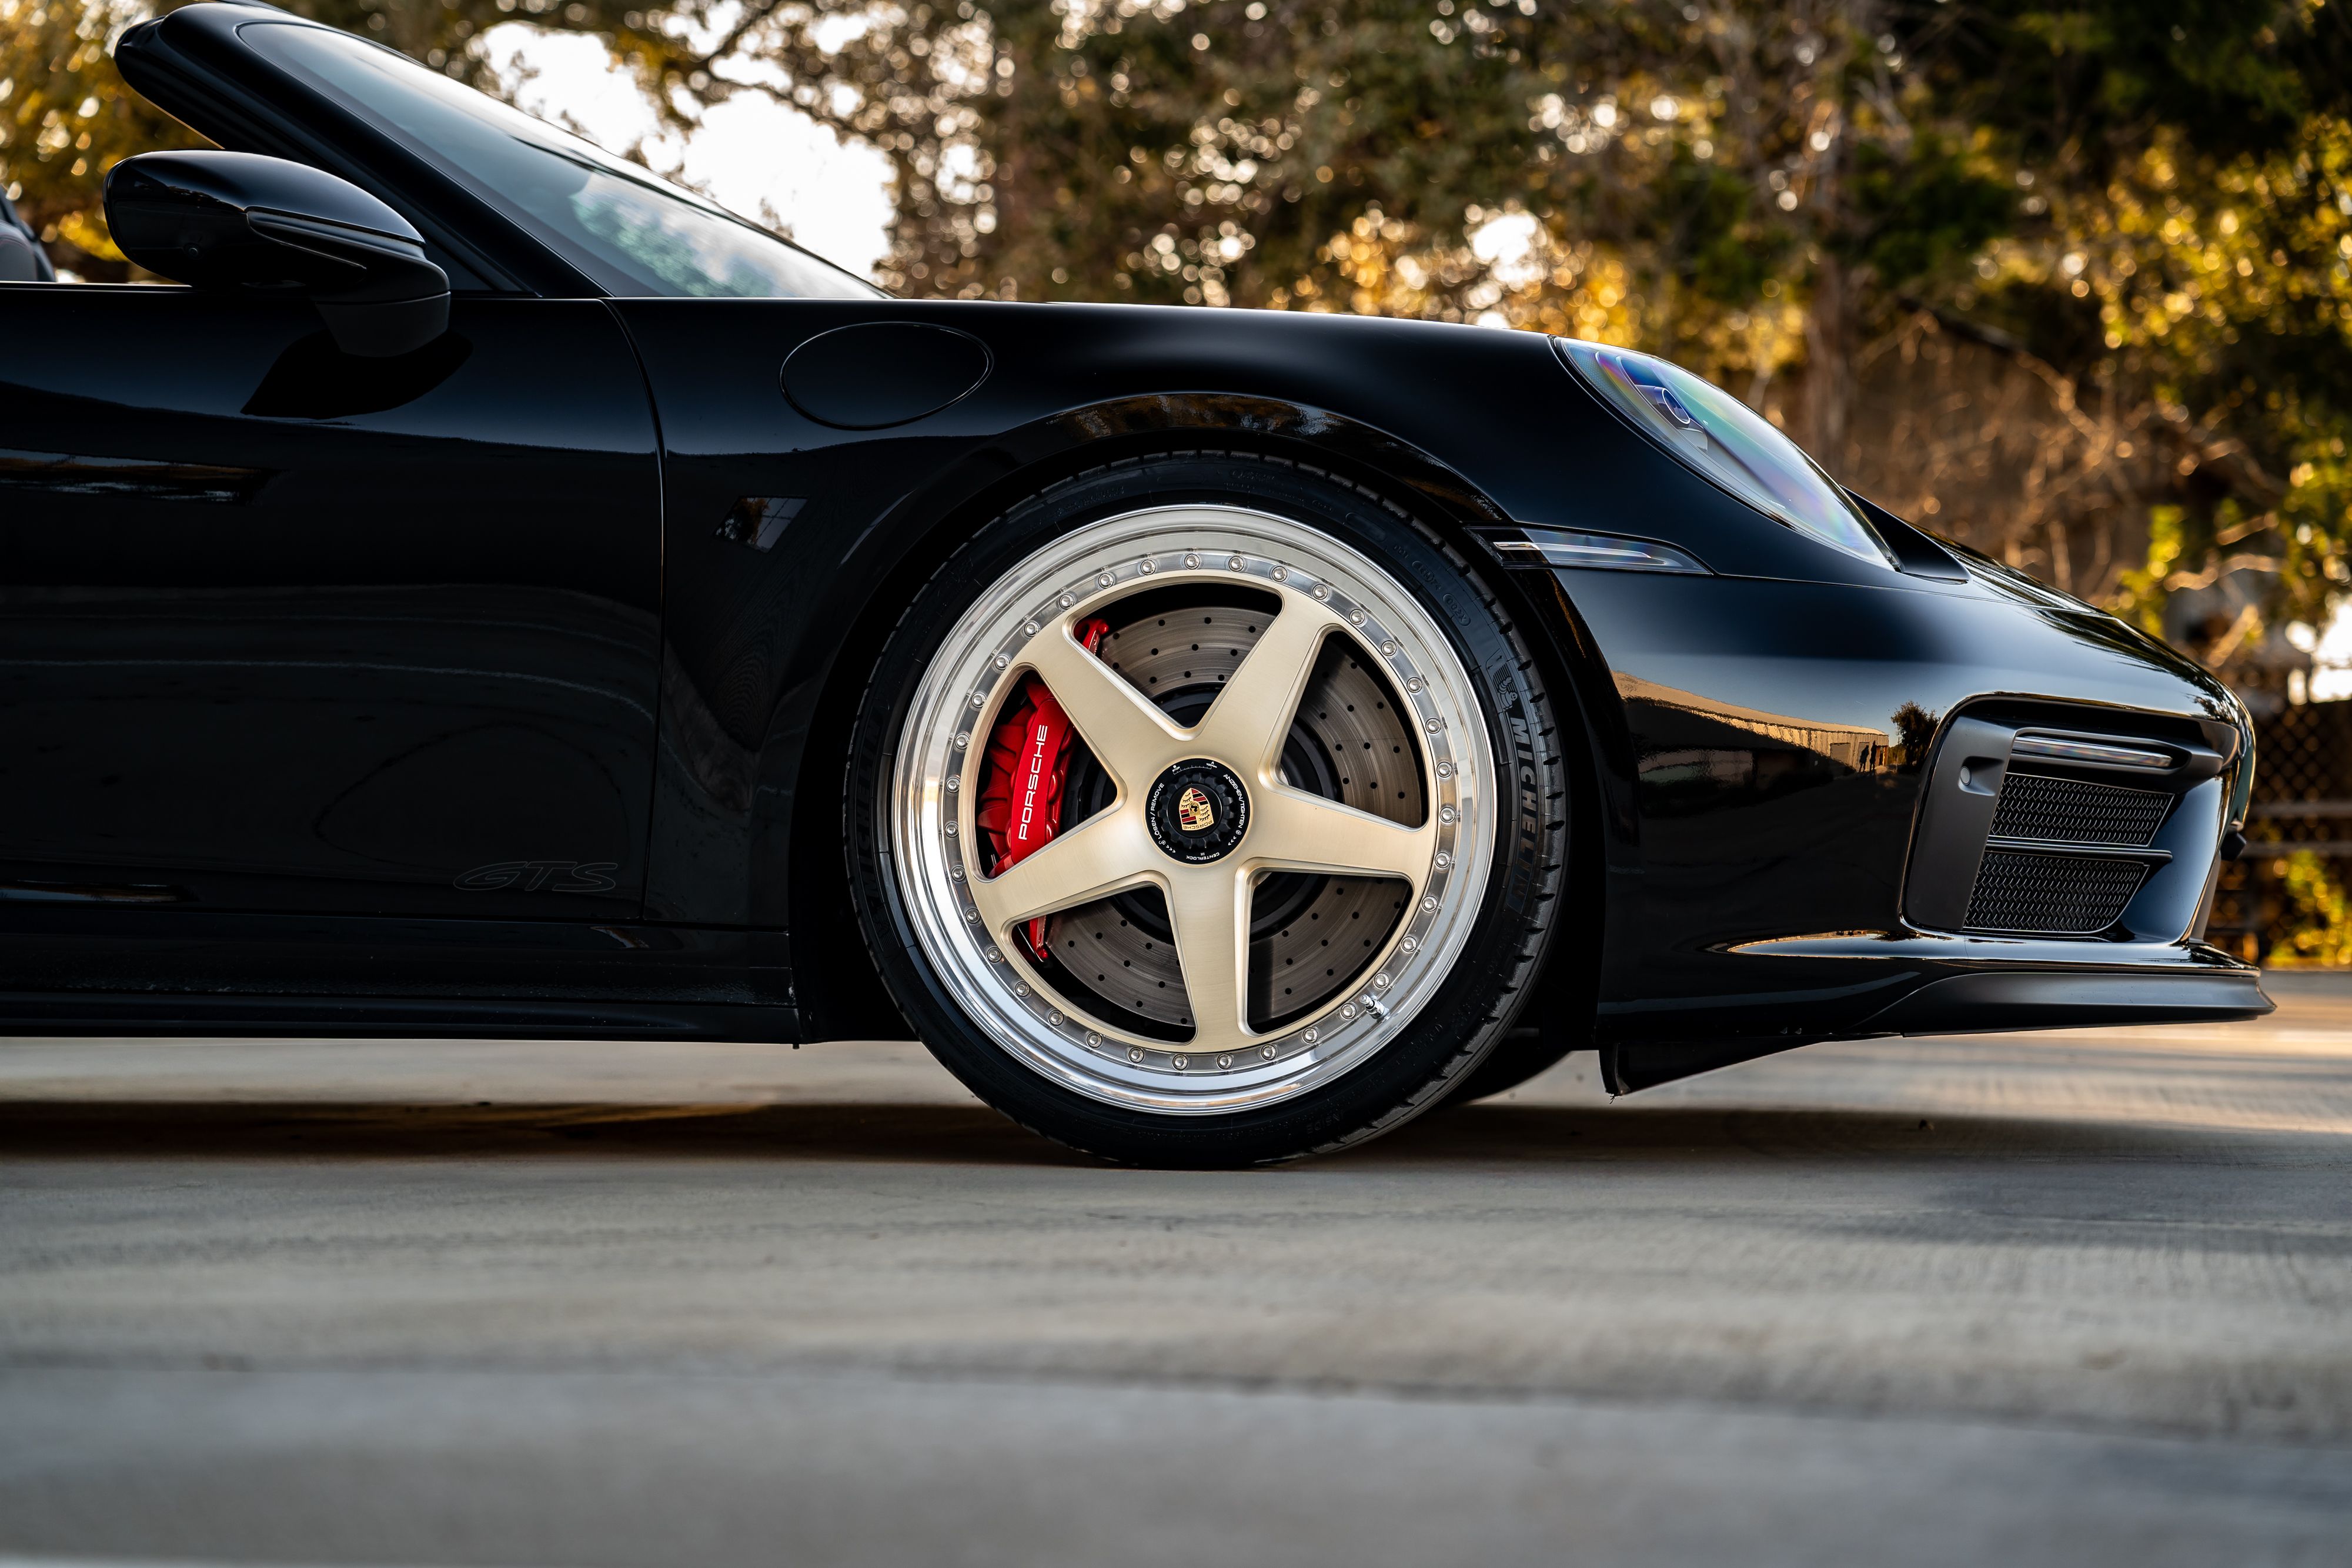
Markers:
<point>236,219</point>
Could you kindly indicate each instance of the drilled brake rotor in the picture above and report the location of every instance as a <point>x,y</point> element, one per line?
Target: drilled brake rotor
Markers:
<point>1310,936</point>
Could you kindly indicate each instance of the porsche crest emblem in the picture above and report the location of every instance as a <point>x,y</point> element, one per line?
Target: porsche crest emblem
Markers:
<point>1194,813</point>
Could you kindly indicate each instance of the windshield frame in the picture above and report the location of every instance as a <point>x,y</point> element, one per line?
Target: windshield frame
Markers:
<point>610,277</point>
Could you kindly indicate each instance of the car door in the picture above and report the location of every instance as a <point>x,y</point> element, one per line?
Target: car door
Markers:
<point>284,630</point>
<point>509,204</point>
<point>775,530</point>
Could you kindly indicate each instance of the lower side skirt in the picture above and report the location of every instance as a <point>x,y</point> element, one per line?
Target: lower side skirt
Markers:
<point>84,1016</point>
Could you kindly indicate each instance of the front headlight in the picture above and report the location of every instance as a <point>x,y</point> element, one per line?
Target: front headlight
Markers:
<point>1727,442</point>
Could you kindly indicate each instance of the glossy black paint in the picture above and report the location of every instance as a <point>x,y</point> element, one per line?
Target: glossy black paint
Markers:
<point>1774,659</point>
<point>99,968</point>
<point>1761,788</point>
<point>672,645</point>
<point>346,629</point>
<point>191,66</point>
<point>880,373</point>
<point>238,220</point>
<point>1968,996</point>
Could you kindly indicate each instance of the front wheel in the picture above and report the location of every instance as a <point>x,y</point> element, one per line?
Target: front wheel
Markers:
<point>1206,812</point>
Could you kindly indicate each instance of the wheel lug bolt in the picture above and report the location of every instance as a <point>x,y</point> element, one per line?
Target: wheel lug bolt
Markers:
<point>1267,1052</point>
<point>1282,574</point>
<point>1028,628</point>
<point>1180,1060</point>
<point>994,956</point>
<point>1322,592</point>
<point>963,739</point>
<point>1147,567</point>
<point>1105,580</point>
<point>1379,979</point>
<point>1414,684</point>
<point>1348,1012</point>
<point>1444,860</point>
<point>1021,991</point>
<point>1311,1036</point>
<point>1068,600</point>
<point>1054,1017</point>
<point>1389,646</point>
<point>1355,617</point>
<point>1445,770</point>
<point>1225,1061</point>
<point>1429,904</point>
<point>1410,944</point>
<point>1445,813</point>
<point>1190,559</point>
<point>1093,1039</point>
<point>1133,1054</point>
<point>1236,563</point>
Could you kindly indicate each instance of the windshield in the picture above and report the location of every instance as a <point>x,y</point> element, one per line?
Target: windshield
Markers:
<point>627,228</point>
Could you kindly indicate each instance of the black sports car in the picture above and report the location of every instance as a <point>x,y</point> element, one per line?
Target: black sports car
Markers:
<point>505,595</point>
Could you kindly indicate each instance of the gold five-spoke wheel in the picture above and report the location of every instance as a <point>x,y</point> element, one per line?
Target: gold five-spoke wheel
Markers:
<point>1245,731</point>
<point>1248,784</point>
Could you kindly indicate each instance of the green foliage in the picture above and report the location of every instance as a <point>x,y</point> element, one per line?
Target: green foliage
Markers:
<point>1927,217</point>
<point>2321,923</point>
<point>66,118</point>
<point>2142,598</point>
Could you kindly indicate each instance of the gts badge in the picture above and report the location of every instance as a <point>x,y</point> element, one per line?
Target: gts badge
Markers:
<point>540,876</point>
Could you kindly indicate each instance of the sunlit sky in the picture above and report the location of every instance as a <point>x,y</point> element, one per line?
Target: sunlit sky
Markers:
<point>765,159</point>
<point>2333,678</point>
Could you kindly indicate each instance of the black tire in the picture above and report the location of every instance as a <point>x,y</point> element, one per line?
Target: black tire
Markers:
<point>1527,1052</point>
<point>1470,1008</point>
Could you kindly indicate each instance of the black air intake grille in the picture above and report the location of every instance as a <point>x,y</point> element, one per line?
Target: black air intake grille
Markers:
<point>2051,896</point>
<point>2070,810</point>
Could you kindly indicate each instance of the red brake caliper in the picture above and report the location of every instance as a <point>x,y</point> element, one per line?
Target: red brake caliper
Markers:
<point>1021,782</point>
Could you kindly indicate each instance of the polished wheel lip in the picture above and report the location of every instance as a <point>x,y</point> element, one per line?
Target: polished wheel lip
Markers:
<point>1022,624</point>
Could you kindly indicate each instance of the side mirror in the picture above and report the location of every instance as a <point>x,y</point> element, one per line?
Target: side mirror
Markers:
<point>233,220</point>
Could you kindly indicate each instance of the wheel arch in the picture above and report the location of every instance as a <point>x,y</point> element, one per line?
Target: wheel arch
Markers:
<point>838,988</point>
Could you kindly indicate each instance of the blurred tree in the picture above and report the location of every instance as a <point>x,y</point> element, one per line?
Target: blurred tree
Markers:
<point>2069,282</point>
<point>2319,927</point>
<point>66,118</point>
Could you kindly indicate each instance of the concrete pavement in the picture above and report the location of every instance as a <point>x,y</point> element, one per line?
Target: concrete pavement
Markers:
<point>2067,1298</point>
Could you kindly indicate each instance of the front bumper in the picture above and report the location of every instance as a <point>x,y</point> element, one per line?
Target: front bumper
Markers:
<point>1764,749</point>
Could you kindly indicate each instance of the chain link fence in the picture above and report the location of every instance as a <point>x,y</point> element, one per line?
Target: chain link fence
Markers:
<point>2283,901</point>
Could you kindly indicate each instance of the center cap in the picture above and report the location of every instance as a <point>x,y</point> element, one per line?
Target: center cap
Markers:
<point>1198,811</point>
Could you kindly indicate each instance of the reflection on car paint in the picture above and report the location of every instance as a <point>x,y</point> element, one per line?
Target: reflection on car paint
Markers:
<point>1699,754</point>
<point>151,478</point>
